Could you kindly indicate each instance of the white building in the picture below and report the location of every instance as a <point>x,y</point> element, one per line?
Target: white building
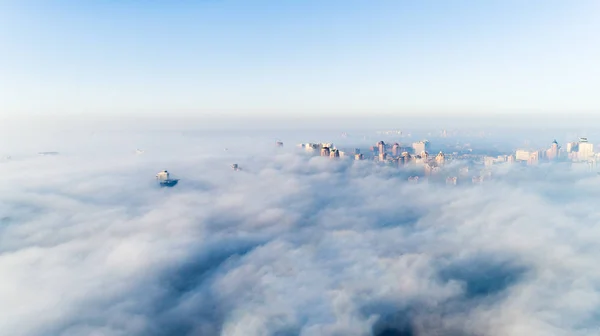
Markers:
<point>586,150</point>
<point>522,155</point>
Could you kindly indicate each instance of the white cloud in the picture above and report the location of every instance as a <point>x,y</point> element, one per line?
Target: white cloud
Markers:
<point>289,245</point>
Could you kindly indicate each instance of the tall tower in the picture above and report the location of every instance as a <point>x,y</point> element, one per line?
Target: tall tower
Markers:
<point>381,147</point>
<point>396,149</point>
<point>420,146</point>
<point>334,153</point>
<point>440,158</point>
<point>552,152</point>
<point>325,151</point>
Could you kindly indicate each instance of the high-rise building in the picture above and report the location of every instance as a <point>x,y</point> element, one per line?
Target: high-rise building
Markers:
<point>407,158</point>
<point>381,147</point>
<point>358,156</point>
<point>325,151</point>
<point>522,155</point>
<point>440,158</point>
<point>451,180</point>
<point>382,156</point>
<point>534,158</point>
<point>356,151</point>
<point>510,159</point>
<point>425,156</point>
<point>489,160</point>
<point>552,152</point>
<point>420,146</point>
<point>396,150</point>
<point>334,153</point>
<point>572,147</point>
<point>586,150</point>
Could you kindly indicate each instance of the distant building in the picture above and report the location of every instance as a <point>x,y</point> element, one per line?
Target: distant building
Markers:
<point>451,180</point>
<point>382,156</point>
<point>420,146</point>
<point>396,151</point>
<point>534,158</point>
<point>489,160</point>
<point>477,179</point>
<point>279,144</point>
<point>358,156</point>
<point>407,158</point>
<point>522,155</point>
<point>381,147</point>
<point>586,150</point>
<point>325,151</point>
<point>334,153</point>
<point>440,158</point>
<point>552,152</point>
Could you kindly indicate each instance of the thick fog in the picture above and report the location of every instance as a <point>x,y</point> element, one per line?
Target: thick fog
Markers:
<point>290,245</point>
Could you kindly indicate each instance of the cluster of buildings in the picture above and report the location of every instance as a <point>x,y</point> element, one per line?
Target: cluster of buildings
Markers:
<point>394,154</point>
<point>578,151</point>
<point>417,156</point>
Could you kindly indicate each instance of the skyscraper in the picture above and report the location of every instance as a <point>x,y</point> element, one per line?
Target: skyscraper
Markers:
<point>396,150</point>
<point>552,152</point>
<point>381,147</point>
<point>382,156</point>
<point>586,150</point>
<point>534,158</point>
<point>420,146</point>
<point>358,156</point>
<point>325,151</point>
<point>440,158</point>
<point>334,153</point>
<point>407,158</point>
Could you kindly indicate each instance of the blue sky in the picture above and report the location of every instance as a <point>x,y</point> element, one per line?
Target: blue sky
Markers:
<point>329,57</point>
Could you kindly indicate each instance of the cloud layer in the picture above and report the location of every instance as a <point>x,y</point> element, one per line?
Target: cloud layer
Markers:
<point>290,245</point>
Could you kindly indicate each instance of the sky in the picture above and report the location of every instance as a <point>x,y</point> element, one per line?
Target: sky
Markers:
<point>290,245</point>
<point>297,58</point>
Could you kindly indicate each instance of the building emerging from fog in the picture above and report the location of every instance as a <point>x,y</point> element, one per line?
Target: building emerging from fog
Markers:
<point>585,150</point>
<point>552,152</point>
<point>396,151</point>
<point>420,146</point>
<point>440,159</point>
<point>325,151</point>
<point>381,147</point>
<point>165,180</point>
